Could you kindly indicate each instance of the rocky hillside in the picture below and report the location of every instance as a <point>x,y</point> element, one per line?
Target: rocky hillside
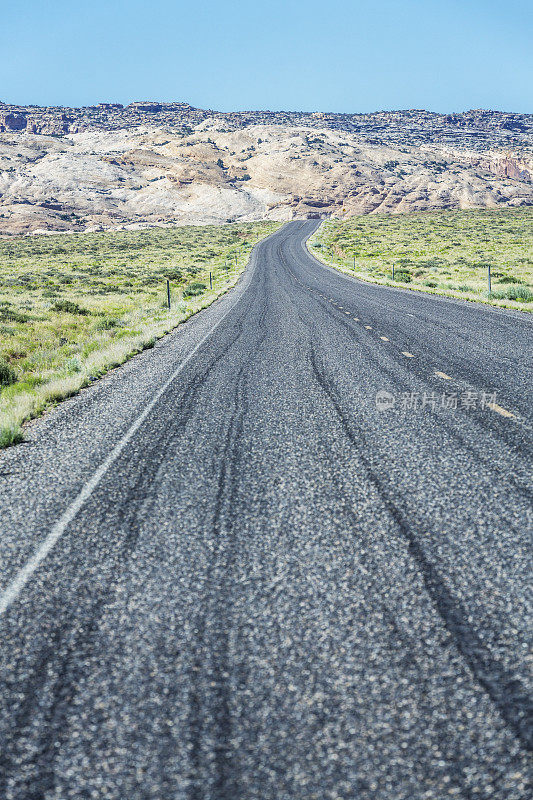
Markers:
<point>155,163</point>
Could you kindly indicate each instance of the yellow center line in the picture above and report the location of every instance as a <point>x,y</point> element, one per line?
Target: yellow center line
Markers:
<point>384,339</point>
<point>368,327</point>
<point>356,319</point>
<point>347,312</point>
<point>500,410</point>
<point>406,354</point>
<point>442,375</point>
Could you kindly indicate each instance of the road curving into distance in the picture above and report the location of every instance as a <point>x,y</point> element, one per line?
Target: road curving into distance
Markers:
<point>284,555</point>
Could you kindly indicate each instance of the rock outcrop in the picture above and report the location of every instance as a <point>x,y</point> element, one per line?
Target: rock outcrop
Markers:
<point>153,163</point>
<point>12,122</point>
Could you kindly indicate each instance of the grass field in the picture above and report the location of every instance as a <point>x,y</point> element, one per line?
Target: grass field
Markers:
<point>74,306</point>
<point>439,252</point>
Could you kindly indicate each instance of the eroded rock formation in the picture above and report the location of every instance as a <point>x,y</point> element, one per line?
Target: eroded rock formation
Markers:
<point>152,163</point>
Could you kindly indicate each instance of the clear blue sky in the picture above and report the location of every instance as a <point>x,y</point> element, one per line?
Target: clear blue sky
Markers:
<point>334,55</point>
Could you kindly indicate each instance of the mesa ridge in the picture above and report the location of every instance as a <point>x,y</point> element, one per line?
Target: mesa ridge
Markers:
<point>154,163</point>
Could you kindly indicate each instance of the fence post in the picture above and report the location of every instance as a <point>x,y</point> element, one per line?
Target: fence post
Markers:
<point>168,293</point>
<point>210,280</point>
<point>488,265</point>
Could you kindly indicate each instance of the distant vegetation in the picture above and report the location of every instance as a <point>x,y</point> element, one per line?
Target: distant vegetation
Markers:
<point>72,306</point>
<point>440,252</point>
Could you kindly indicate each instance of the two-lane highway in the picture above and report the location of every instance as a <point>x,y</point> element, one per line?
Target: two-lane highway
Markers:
<point>283,556</point>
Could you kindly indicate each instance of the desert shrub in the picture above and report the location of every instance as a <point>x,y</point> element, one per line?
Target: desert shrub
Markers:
<point>509,279</point>
<point>70,308</point>
<point>10,314</point>
<point>193,289</point>
<point>521,293</point>
<point>108,324</point>
<point>10,435</point>
<point>7,373</point>
<point>73,365</point>
<point>173,275</point>
<point>402,275</point>
<point>431,284</point>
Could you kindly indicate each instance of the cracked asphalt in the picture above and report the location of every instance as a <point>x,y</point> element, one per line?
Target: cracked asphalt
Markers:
<point>276,590</point>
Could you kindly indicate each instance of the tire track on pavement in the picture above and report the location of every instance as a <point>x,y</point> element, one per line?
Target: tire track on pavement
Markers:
<point>507,692</point>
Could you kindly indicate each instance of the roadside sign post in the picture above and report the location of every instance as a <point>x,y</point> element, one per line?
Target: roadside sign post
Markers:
<point>488,275</point>
<point>210,280</point>
<point>393,272</point>
<point>168,294</point>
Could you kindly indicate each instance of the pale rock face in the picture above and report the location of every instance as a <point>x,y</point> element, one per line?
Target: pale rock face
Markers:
<point>221,169</point>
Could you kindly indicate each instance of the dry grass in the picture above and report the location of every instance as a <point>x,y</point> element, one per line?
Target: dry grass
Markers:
<point>74,306</point>
<point>438,252</point>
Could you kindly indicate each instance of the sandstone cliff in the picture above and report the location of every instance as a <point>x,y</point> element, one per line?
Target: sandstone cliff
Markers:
<point>154,163</point>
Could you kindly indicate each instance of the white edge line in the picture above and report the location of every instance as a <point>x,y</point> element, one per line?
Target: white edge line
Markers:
<point>13,589</point>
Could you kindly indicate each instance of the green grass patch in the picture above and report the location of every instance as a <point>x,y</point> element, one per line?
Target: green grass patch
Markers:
<point>73,306</point>
<point>521,294</point>
<point>8,375</point>
<point>446,252</point>
<point>68,307</point>
<point>194,289</point>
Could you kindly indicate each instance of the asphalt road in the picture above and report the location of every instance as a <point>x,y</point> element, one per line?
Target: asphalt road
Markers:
<point>227,574</point>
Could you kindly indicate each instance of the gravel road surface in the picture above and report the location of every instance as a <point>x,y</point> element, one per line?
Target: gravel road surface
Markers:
<point>284,555</point>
